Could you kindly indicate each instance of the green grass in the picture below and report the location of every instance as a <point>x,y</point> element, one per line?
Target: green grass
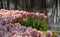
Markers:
<point>58,32</point>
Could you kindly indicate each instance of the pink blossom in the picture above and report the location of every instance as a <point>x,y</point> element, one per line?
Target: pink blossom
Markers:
<point>55,35</point>
<point>43,15</point>
<point>40,34</point>
<point>2,9</point>
<point>33,14</point>
<point>34,33</point>
<point>26,34</point>
<point>48,34</point>
<point>27,14</point>
<point>5,10</point>
<point>37,14</point>
<point>24,20</point>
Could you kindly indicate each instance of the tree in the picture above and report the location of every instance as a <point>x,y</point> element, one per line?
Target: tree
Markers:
<point>1,4</point>
<point>8,5</point>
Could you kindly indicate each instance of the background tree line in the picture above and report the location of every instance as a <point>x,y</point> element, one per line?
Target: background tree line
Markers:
<point>29,5</point>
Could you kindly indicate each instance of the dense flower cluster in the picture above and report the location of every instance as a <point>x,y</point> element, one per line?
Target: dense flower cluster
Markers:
<point>20,14</point>
<point>16,30</point>
<point>6,16</point>
<point>7,29</point>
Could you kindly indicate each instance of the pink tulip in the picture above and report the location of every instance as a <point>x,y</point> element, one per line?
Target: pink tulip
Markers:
<point>13,17</point>
<point>32,14</point>
<point>34,33</point>
<point>17,11</point>
<point>2,9</point>
<point>16,35</point>
<point>55,35</point>
<point>43,15</point>
<point>37,14</point>
<point>1,15</point>
<point>40,34</point>
<point>26,14</point>
<point>5,10</point>
<point>26,34</point>
<point>21,11</point>
<point>5,21</point>
<point>48,34</point>
<point>24,20</point>
<point>23,14</point>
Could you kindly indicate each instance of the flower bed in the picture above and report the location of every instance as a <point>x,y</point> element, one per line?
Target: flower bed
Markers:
<point>11,22</point>
<point>35,20</point>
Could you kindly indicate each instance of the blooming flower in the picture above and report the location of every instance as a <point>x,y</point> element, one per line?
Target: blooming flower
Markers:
<point>40,34</point>
<point>24,20</point>
<point>43,15</point>
<point>37,14</point>
<point>48,34</point>
<point>55,35</point>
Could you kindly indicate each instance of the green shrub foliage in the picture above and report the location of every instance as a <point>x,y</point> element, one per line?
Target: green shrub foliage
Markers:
<point>37,23</point>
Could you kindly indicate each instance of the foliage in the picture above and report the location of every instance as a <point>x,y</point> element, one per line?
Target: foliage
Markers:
<point>37,23</point>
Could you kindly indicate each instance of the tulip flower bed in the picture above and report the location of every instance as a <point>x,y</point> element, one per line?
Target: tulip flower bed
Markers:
<point>34,20</point>
<point>11,22</point>
<point>16,30</point>
<point>37,23</point>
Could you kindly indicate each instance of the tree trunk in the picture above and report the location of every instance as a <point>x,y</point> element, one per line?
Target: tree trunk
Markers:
<point>1,4</point>
<point>15,2</point>
<point>8,5</point>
